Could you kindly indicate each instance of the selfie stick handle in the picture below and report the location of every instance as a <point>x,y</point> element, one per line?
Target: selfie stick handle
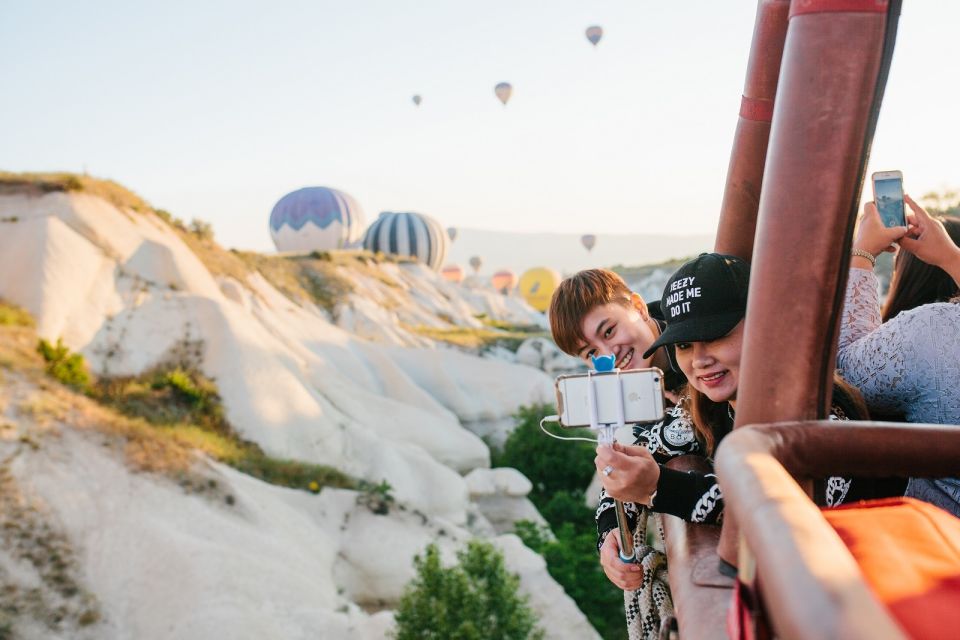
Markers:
<point>605,436</point>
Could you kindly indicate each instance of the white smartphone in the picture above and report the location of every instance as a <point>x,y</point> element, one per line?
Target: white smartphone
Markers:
<point>888,196</point>
<point>641,391</point>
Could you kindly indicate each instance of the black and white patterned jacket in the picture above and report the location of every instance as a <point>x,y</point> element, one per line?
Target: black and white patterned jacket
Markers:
<point>696,497</point>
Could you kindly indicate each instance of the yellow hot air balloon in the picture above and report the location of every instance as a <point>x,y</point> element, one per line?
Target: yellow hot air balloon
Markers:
<point>537,285</point>
<point>452,273</point>
<point>504,280</point>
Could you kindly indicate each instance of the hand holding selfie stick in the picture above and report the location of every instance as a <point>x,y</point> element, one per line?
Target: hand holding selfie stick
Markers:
<point>605,437</point>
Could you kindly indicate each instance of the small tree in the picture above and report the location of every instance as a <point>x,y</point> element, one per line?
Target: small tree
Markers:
<point>476,599</point>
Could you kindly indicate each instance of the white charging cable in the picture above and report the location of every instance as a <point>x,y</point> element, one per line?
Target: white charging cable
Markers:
<point>557,420</point>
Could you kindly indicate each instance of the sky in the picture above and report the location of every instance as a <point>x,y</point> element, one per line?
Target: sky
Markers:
<point>214,109</point>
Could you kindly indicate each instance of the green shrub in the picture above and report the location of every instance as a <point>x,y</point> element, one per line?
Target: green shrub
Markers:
<point>166,395</point>
<point>551,465</point>
<point>376,497</point>
<point>476,599</point>
<point>68,368</point>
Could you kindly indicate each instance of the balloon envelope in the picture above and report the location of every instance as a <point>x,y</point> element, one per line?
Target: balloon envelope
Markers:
<point>537,285</point>
<point>416,100</point>
<point>594,34</point>
<point>412,235</point>
<point>476,262</point>
<point>452,273</point>
<point>504,280</point>
<point>452,232</point>
<point>503,91</point>
<point>315,219</point>
<point>588,240</point>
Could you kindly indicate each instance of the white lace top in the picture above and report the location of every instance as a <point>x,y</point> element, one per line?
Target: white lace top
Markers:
<point>910,365</point>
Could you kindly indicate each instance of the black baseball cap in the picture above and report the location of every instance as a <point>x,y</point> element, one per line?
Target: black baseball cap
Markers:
<point>703,300</point>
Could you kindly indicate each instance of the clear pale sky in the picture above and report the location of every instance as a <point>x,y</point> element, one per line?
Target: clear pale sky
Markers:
<point>215,109</point>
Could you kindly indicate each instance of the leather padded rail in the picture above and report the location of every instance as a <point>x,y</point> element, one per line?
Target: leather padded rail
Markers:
<point>701,594</point>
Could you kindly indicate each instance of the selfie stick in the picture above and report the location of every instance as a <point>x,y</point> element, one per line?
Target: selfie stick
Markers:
<point>605,437</point>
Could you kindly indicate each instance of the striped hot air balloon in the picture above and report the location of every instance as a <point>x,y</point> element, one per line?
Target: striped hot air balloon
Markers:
<point>408,234</point>
<point>316,219</point>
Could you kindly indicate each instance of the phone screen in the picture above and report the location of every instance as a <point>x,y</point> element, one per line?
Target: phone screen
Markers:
<point>889,195</point>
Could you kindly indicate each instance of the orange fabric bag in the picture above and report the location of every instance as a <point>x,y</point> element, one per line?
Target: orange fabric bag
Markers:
<point>909,552</point>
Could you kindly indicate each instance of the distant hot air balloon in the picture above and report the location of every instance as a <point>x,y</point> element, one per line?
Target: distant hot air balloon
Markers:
<point>452,232</point>
<point>537,285</point>
<point>476,262</point>
<point>315,219</point>
<point>588,240</point>
<point>503,91</point>
<point>417,99</point>
<point>452,273</point>
<point>594,34</point>
<point>504,280</point>
<point>408,234</point>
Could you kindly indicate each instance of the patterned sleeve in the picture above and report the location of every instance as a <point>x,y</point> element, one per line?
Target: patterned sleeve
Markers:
<point>870,355</point>
<point>690,495</point>
<point>671,437</point>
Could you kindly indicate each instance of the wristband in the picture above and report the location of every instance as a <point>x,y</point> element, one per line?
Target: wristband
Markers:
<point>865,254</point>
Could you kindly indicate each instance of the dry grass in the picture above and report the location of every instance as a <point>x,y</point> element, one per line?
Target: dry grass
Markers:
<point>217,260</point>
<point>41,183</point>
<point>13,316</point>
<point>475,338</point>
<point>158,420</point>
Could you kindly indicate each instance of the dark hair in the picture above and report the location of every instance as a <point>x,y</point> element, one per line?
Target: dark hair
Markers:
<point>575,297</point>
<point>916,283</point>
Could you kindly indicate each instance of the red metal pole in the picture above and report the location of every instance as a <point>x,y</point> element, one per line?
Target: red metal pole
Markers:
<point>741,196</point>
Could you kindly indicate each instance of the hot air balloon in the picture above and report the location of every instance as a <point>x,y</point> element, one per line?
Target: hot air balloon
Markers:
<point>537,285</point>
<point>417,99</point>
<point>588,240</point>
<point>504,280</point>
<point>594,34</point>
<point>503,91</point>
<point>476,262</point>
<point>452,233</point>
<point>452,273</point>
<point>412,235</point>
<point>315,219</point>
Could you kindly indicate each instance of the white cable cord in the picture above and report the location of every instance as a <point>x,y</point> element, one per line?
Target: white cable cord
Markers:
<point>557,419</point>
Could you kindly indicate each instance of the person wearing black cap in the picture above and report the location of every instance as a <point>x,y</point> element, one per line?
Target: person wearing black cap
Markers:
<point>704,304</point>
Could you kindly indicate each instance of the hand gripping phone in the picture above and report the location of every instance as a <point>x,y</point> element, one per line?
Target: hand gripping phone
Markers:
<point>888,196</point>
<point>640,389</point>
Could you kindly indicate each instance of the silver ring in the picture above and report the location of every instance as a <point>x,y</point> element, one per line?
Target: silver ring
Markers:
<point>607,470</point>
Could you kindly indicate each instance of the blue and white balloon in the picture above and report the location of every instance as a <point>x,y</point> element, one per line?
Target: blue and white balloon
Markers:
<point>316,219</point>
<point>412,235</point>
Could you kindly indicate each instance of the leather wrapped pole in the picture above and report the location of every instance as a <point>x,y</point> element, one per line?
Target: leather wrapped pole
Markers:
<point>741,196</point>
<point>812,586</point>
<point>831,84</point>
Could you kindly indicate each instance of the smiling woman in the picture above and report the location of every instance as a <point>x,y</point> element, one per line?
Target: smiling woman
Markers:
<point>593,313</point>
